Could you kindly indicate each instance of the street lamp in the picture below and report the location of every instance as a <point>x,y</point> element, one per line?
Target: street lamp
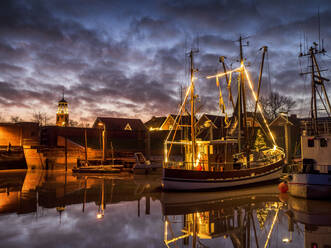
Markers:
<point>100,124</point>
<point>101,212</point>
<point>287,240</point>
<point>290,228</point>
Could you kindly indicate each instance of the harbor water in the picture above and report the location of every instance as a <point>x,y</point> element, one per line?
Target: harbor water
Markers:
<point>40,208</point>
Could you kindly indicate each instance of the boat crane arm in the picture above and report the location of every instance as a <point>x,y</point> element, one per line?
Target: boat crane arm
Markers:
<point>265,49</point>
<point>228,82</point>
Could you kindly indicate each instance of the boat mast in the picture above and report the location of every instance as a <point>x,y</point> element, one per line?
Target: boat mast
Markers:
<point>242,101</point>
<point>265,49</point>
<point>192,109</point>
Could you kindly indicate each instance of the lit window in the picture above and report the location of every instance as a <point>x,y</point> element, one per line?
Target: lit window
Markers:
<point>128,127</point>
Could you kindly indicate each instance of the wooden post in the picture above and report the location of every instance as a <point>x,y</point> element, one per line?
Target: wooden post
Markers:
<point>103,144</point>
<point>138,207</point>
<point>85,146</point>
<point>288,143</point>
<point>112,152</point>
<point>66,153</point>
<point>148,204</point>
<point>148,145</point>
<point>211,135</point>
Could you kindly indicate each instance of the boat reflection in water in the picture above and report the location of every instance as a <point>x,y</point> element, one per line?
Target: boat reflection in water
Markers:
<point>316,218</point>
<point>253,217</point>
<point>234,216</point>
<point>57,209</point>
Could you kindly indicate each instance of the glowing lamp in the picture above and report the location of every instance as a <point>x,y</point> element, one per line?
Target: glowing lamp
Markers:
<point>100,216</point>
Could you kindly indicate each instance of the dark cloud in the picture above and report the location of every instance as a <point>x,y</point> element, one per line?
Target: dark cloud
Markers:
<point>128,59</point>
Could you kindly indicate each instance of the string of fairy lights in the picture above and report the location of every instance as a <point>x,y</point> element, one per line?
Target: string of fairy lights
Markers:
<point>180,111</point>
<point>242,67</point>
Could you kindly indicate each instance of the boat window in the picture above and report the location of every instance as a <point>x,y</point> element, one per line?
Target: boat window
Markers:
<point>310,142</point>
<point>314,245</point>
<point>323,142</point>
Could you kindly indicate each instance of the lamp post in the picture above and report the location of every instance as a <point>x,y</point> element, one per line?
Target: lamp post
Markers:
<point>290,228</point>
<point>103,140</point>
<point>101,212</point>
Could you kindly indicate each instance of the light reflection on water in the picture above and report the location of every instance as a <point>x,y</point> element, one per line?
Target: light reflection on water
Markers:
<point>54,209</point>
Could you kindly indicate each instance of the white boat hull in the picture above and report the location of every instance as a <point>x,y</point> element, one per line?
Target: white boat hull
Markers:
<point>181,184</point>
<point>311,186</point>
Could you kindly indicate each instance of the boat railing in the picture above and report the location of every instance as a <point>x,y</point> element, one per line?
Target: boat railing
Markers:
<point>205,165</point>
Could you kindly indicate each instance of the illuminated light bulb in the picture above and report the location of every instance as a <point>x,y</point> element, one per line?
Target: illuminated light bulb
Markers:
<point>225,73</point>
<point>286,240</point>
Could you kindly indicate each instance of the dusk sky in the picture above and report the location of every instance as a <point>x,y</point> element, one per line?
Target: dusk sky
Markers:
<point>129,58</point>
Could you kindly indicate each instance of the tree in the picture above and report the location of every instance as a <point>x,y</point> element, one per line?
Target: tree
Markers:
<point>276,103</point>
<point>73,123</point>
<point>2,119</point>
<point>15,119</point>
<point>40,118</point>
<point>259,141</point>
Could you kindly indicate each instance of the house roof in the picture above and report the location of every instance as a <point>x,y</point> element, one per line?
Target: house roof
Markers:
<point>155,122</point>
<point>120,123</point>
<point>185,119</point>
<point>280,120</point>
<point>217,120</point>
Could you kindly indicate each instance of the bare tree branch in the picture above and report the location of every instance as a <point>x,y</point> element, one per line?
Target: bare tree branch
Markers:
<point>275,103</point>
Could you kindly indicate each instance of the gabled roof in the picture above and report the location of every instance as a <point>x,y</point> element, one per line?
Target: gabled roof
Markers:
<point>120,123</point>
<point>155,122</point>
<point>281,120</point>
<point>217,120</point>
<point>185,119</point>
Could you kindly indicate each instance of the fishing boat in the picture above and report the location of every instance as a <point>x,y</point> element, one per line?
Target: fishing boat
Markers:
<point>313,181</point>
<point>144,166</point>
<point>96,169</point>
<point>101,166</point>
<point>231,160</point>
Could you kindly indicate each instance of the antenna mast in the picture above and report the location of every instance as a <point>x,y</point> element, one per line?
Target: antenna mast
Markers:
<point>316,80</point>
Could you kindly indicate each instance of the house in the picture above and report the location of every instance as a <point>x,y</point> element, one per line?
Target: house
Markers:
<point>166,123</point>
<point>123,133</point>
<point>211,126</point>
<point>286,130</point>
<point>170,121</point>
<point>155,123</point>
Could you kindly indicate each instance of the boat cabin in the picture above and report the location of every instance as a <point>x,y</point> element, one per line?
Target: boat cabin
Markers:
<point>316,153</point>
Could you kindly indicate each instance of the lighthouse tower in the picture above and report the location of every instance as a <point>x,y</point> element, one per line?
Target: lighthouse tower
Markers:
<point>62,114</point>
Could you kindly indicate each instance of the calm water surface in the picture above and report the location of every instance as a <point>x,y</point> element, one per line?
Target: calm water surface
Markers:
<point>55,209</point>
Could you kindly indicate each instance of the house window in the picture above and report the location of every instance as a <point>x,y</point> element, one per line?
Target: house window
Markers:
<point>128,127</point>
<point>323,142</point>
<point>310,142</point>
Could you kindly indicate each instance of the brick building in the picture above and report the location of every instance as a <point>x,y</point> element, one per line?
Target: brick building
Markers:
<point>19,134</point>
